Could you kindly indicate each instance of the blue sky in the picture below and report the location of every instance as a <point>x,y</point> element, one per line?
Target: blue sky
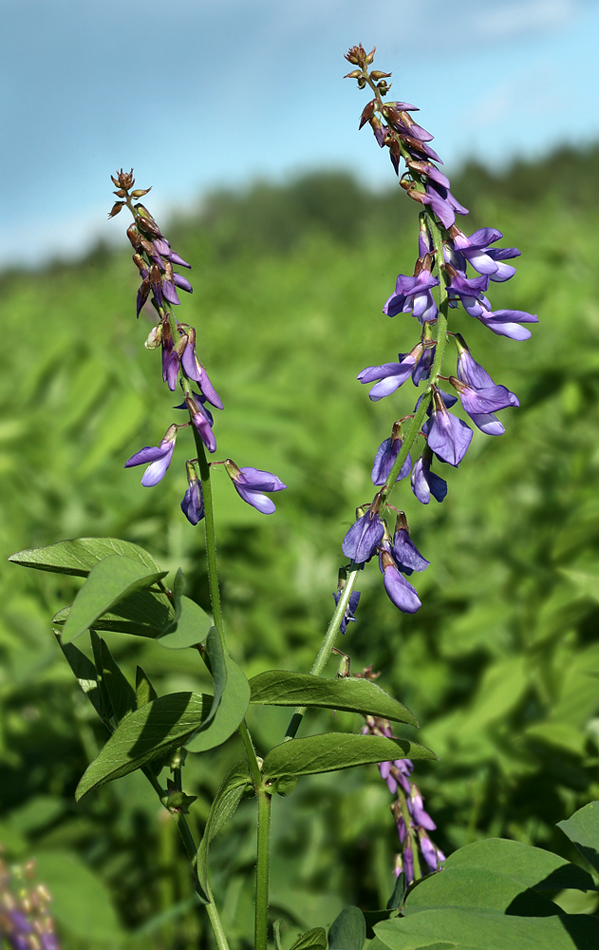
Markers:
<point>196,94</point>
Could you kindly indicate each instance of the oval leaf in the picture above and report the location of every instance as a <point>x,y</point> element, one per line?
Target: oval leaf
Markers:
<point>109,582</point>
<point>79,555</point>
<point>231,698</point>
<point>188,629</point>
<point>351,694</point>
<point>154,730</point>
<point>337,750</point>
<point>478,889</point>
<point>583,830</point>
<point>348,930</point>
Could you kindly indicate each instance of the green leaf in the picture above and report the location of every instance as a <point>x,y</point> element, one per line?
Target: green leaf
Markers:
<point>79,555</point>
<point>315,939</point>
<point>148,733</point>
<point>583,830</point>
<point>144,691</point>
<point>86,674</point>
<point>225,803</point>
<point>231,699</point>
<point>456,929</point>
<point>146,613</point>
<point>348,930</point>
<point>282,688</point>
<point>80,901</point>
<point>188,629</point>
<point>337,750</point>
<point>478,889</point>
<point>532,867</point>
<point>110,581</point>
<point>118,692</point>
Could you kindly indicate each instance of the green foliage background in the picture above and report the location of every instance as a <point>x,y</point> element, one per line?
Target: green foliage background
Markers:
<point>501,663</point>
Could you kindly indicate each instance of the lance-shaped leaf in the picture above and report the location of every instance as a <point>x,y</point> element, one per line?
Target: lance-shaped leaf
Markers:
<point>144,691</point>
<point>79,555</point>
<point>231,698</point>
<point>150,732</point>
<point>227,798</point>
<point>583,830</point>
<point>109,582</point>
<point>86,675</point>
<point>282,688</point>
<point>116,690</point>
<point>337,750</point>
<point>146,613</point>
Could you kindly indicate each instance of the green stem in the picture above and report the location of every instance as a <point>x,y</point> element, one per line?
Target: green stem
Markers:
<point>262,869</point>
<point>210,536</point>
<point>326,646</point>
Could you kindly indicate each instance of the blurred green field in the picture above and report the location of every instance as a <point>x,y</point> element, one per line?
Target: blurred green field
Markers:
<point>500,665</point>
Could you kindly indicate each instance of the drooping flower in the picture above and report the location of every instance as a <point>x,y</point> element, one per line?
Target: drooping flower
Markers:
<point>249,483</point>
<point>158,456</point>
<point>201,418</point>
<point>425,482</point>
<point>192,505</point>
<point>486,260</point>
<point>364,536</point>
<point>507,322</point>
<point>405,553</point>
<point>447,435</point>
<point>481,404</point>
<point>350,610</point>
<point>193,369</point>
<point>398,589</point>
<point>385,457</point>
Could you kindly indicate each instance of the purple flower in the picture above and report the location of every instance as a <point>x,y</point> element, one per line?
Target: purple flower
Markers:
<point>194,369</point>
<point>416,808</point>
<point>431,854</point>
<point>442,203</point>
<point>390,376</point>
<point>447,435</point>
<point>480,404</point>
<point>249,483</point>
<point>163,248</point>
<point>192,505</point>
<point>470,291</point>
<point>398,589</point>
<point>201,418</point>
<point>385,457</point>
<point>413,294</point>
<point>350,610</point>
<point>424,365</point>
<point>159,458</point>
<point>363,538</point>
<point>426,483</point>
<point>507,322</point>
<point>170,357</point>
<point>405,553</point>
<point>484,259</point>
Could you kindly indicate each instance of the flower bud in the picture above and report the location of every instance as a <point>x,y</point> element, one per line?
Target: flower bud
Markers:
<point>154,338</point>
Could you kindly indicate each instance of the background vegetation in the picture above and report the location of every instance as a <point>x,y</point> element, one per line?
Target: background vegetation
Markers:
<point>501,663</point>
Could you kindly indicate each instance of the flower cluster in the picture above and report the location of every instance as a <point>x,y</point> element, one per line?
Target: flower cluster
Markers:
<point>155,260</point>
<point>413,822</point>
<point>25,922</point>
<point>441,283</point>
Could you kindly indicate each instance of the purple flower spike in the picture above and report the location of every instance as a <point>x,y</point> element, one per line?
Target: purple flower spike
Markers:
<point>447,435</point>
<point>249,483</point>
<point>386,454</point>
<point>426,483</point>
<point>159,458</point>
<point>398,589</point>
<point>390,375</point>
<point>350,610</point>
<point>363,538</point>
<point>192,505</point>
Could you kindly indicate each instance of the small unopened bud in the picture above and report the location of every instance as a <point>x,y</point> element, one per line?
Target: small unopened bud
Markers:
<point>367,112</point>
<point>355,74</point>
<point>154,338</point>
<point>361,83</point>
<point>383,87</point>
<point>370,56</point>
<point>120,193</point>
<point>123,179</point>
<point>117,206</point>
<point>140,192</point>
<point>377,74</point>
<point>401,522</point>
<point>140,263</point>
<point>133,235</point>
